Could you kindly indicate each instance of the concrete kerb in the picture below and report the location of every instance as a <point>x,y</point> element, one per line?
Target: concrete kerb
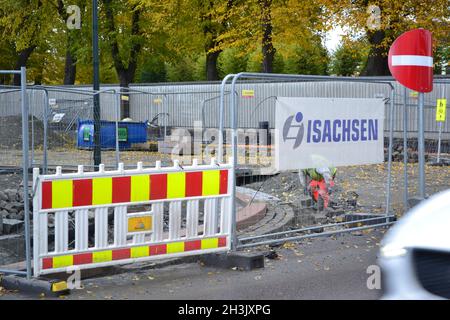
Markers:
<point>48,287</point>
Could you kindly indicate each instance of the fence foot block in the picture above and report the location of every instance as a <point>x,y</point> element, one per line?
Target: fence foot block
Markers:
<point>414,201</point>
<point>34,285</point>
<point>241,260</point>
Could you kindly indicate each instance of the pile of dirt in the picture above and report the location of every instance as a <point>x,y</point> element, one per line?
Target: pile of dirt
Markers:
<point>11,134</point>
<point>286,186</point>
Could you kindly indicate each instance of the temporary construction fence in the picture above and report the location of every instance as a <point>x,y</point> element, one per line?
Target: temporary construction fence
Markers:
<point>185,106</point>
<point>235,109</point>
<point>437,140</point>
<point>53,122</point>
<point>253,107</point>
<point>24,132</point>
<point>137,235</point>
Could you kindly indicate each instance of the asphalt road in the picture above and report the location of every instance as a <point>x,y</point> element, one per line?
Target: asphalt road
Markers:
<point>324,268</point>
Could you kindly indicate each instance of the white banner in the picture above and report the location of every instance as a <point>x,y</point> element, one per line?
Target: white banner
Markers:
<point>325,132</point>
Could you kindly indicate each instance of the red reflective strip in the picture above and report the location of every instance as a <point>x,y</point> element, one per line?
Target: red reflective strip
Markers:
<point>194,184</point>
<point>121,189</point>
<point>158,249</point>
<point>222,242</point>
<point>46,195</point>
<point>47,263</point>
<point>158,186</point>
<point>121,254</point>
<point>192,245</point>
<point>82,258</point>
<point>82,192</point>
<point>223,182</point>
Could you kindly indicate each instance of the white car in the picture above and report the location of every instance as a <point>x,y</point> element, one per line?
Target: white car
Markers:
<point>415,253</point>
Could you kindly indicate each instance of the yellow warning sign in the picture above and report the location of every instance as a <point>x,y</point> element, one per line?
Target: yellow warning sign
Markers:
<point>124,98</point>
<point>414,94</point>
<point>248,93</point>
<point>157,101</point>
<point>441,108</point>
<point>139,224</point>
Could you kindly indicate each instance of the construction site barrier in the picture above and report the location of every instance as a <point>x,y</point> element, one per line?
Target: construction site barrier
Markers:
<point>183,193</point>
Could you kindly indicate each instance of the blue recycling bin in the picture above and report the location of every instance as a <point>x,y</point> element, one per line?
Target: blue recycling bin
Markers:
<point>129,133</point>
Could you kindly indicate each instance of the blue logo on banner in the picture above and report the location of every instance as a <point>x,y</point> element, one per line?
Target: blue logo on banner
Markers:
<point>288,124</point>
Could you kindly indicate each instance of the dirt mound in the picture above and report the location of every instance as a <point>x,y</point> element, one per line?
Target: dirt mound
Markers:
<point>11,134</point>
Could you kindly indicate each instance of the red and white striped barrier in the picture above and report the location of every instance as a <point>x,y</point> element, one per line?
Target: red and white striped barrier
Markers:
<point>137,236</point>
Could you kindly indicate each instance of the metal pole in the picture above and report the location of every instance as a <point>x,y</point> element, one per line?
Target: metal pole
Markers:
<point>321,226</point>
<point>45,120</point>
<point>6,271</point>
<point>222,116</point>
<point>32,130</point>
<point>23,86</point>
<point>166,118</point>
<point>440,130</point>
<point>421,145</point>
<point>313,235</point>
<point>439,143</point>
<point>96,87</point>
<point>233,115</point>
<point>391,133</point>
<point>117,129</point>
<point>405,147</point>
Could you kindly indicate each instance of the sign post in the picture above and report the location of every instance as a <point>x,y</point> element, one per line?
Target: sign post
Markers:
<point>411,64</point>
<point>440,117</point>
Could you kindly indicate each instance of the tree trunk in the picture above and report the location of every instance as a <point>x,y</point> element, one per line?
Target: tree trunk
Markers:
<point>5,79</point>
<point>39,75</point>
<point>70,68</point>
<point>212,74</point>
<point>126,74</point>
<point>124,97</point>
<point>268,51</point>
<point>377,63</point>
<point>22,59</point>
<point>212,30</point>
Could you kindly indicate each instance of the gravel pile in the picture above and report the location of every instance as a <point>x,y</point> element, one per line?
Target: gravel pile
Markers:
<point>11,134</point>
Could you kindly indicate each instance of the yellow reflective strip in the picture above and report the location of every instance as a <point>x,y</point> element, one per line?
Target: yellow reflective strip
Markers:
<point>59,286</point>
<point>176,185</point>
<point>101,191</point>
<point>139,224</point>
<point>211,183</point>
<point>210,243</point>
<point>62,261</point>
<point>62,193</point>
<point>102,256</point>
<point>138,252</point>
<point>175,247</point>
<point>140,188</point>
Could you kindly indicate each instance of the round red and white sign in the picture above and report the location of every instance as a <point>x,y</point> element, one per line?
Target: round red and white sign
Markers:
<point>411,60</point>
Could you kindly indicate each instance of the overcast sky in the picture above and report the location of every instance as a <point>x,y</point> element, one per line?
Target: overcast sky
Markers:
<point>333,38</point>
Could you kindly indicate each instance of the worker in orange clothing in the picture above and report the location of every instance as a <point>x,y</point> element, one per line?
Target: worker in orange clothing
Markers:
<point>318,183</point>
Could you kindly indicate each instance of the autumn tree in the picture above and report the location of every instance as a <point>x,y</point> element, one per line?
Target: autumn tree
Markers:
<point>75,37</point>
<point>272,26</point>
<point>349,58</point>
<point>24,25</point>
<point>7,54</point>
<point>213,16</point>
<point>124,34</point>
<point>382,21</point>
